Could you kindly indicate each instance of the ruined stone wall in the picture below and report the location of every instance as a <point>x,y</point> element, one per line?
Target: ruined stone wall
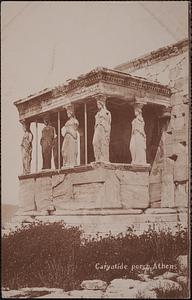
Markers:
<point>169,175</point>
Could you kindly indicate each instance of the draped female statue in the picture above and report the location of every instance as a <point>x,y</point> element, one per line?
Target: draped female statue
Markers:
<point>102,131</point>
<point>46,143</point>
<point>26,148</point>
<point>138,139</point>
<point>70,139</point>
<point>56,150</point>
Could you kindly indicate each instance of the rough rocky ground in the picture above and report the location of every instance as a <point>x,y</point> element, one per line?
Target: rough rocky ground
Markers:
<point>144,288</point>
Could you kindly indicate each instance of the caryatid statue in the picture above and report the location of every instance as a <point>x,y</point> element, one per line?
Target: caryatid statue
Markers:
<point>48,134</point>
<point>102,131</point>
<point>138,138</point>
<point>70,139</point>
<point>26,147</point>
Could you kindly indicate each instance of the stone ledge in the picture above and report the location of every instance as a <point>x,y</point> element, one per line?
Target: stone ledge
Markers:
<point>102,212</point>
<point>84,212</point>
<point>91,166</point>
<point>183,210</point>
<point>92,225</point>
<point>32,213</point>
<point>122,166</point>
<point>160,211</point>
<point>112,221</point>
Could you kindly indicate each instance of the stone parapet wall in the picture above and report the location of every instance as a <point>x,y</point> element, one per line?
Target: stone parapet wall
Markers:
<point>96,186</point>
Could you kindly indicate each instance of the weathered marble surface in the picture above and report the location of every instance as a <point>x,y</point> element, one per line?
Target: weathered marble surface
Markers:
<point>138,138</point>
<point>98,186</point>
<point>116,222</point>
<point>43,193</point>
<point>181,194</point>
<point>171,70</point>
<point>98,81</point>
<point>26,148</point>
<point>46,142</point>
<point>102,131</point>
<point>69,132</point>
<point>27,194</point>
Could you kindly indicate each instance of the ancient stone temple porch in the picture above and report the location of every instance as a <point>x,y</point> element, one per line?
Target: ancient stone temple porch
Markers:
<point>94,193</point>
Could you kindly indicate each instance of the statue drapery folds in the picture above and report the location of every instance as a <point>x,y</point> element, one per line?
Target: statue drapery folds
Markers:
<point>47,139</point>
<point>138,138</point>
<point>102,131</point>
<point>26,148</point>
<point>70,139</point>
<point>70,143</point>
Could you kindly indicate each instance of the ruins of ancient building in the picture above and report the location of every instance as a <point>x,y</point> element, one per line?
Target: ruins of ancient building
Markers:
<point>115,194</point>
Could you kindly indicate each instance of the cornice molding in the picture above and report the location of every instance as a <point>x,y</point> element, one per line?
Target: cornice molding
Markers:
<point>95,76</point>
<point>111,77</point>
<point>154,56</point>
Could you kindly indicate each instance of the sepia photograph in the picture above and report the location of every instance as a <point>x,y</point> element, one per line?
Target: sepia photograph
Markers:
<point>95,149</point>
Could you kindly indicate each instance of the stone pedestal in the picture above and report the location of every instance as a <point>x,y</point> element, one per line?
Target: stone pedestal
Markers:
<point>91,187</point>
<point>100,198</point>
<point>105,221</point>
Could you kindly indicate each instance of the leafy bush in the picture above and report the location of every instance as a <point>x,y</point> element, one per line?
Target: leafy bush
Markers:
<point>54,255</point>
<point>41,255</point>
<point>160,247</point>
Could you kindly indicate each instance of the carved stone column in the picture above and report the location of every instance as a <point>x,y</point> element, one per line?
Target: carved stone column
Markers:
<point>101,138</point>
<point>70,139</point>
<point>26,147</point>
<point>46,142</point>
<point>138,136</point>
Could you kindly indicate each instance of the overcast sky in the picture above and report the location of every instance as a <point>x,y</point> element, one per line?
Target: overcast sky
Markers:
<point>46,42</point>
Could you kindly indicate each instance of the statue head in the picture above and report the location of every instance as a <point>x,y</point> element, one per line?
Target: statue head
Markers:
<point>70,111</point>
<point>46,120</point>
<point>101,101</point>
<point>138,110</point>
<point>26,125</point>
<point>24,128</point>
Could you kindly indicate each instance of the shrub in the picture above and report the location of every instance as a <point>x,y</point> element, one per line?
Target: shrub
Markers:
<point>41,255</point>
<point>130,249</point>
<point>54,255</point>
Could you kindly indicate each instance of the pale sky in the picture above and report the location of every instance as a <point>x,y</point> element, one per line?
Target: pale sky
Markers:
<point>46,42</point>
